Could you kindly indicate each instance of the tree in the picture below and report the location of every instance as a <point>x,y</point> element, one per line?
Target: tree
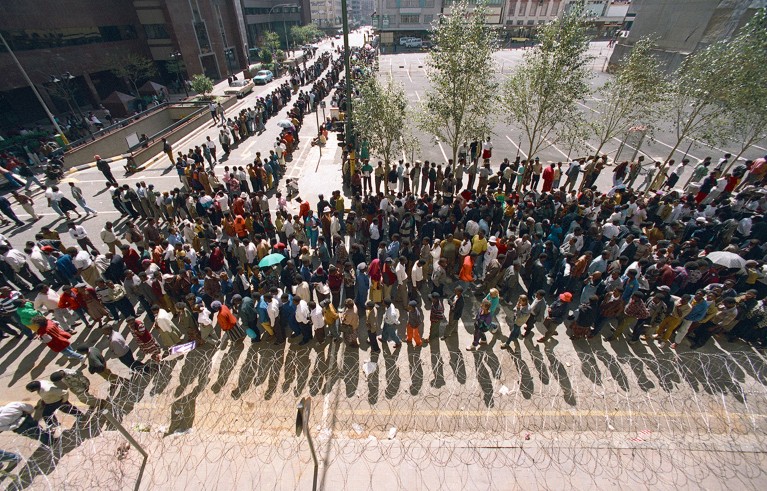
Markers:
<point>133,68</point>
<point>304,34</point>
<point>747,106</point>
<point>699,92</point>
<point>632,97</point>
<point>461,72</point>
<point>380,117</point>
<point>271,42</point>
<point>542,93</point>
<point>202,85</point>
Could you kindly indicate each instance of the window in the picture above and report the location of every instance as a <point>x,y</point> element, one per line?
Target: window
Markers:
<point>520,22</point>
<point>409,19</point>
<point>428,19</point>
<point>530,22</point>
<point>31,39</point>
<point>156,31</point>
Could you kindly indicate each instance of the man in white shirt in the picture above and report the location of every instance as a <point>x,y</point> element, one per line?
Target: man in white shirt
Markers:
<point>78,233</point>
<point>17,417</point>
<point>416,274</point>
<point>109,238</point>
<point>48,299</point>
<point>17,260</point>
<point>390,323</point>
<point>303,318</point>
<point>318,321</point>
<point>400,270</point>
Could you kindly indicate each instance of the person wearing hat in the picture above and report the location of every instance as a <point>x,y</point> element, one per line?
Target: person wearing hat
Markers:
<point>414,324</point>
<point>555,315</point>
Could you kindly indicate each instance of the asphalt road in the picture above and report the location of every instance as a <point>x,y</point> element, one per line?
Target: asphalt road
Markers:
<point>568,413</point>
<point>409,69</point>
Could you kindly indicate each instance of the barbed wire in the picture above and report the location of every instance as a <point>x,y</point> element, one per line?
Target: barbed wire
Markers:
<point>220,419</point>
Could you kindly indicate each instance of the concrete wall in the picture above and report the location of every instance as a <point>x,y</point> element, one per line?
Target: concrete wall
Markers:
<point>679,27</point>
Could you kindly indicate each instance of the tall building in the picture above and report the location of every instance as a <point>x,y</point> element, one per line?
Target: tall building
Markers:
<point>273,15</point>
<point>326,14</point>
<point>680,27</point>
<point>523,16</point>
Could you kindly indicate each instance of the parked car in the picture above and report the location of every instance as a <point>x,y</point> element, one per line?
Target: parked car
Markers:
<point>263,77</point>
<point>403,41</point>
<point>413,43</point>
<point>240,88</point>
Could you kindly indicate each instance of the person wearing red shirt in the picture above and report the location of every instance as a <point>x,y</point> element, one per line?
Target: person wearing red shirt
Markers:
<point>548,178</point>
<point>55,338</point>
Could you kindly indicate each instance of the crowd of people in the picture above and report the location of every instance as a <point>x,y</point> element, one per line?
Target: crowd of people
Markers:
<point>213,261</point>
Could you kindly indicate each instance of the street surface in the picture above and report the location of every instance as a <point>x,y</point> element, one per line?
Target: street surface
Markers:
<point>567,416</point>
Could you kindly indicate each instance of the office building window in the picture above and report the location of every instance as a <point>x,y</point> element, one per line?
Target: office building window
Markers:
<point>409,19</point>
<point>31,39</point>
<point>156,31</point>
<point>428,19</point>
<point>520,22</point>
<point>530,22</point>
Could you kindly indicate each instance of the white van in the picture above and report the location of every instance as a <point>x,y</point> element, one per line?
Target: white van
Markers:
<point>414,43</point>
<point>404,41</point>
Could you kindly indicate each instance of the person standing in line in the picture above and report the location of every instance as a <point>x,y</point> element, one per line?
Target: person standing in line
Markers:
<point>436,316</point>
<point>456,304</point>
<point>350,322</point>
<point>414,324</point>
<point>77,194</point>
<point>371,322</point>
<point>103,166</point>
<point>390,323</point>
<point>55,338</point>
<point>120,349</point>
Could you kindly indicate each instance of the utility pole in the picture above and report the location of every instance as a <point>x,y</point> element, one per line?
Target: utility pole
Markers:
<point>348,73</point>
<point>34,89</point>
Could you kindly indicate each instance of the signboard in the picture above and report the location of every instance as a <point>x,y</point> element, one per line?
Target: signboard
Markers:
<point>132,140</point>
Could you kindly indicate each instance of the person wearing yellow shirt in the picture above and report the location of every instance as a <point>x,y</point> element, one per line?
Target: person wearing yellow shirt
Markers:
<point>478,248</point>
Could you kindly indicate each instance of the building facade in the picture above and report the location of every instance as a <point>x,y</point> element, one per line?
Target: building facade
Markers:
<point>76,43</point>
<point>681,27</point>
<point>326,14</point>
<point>278,16</point>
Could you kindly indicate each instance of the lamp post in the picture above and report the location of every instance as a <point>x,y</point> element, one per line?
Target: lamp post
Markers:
<point>63,82</point>
<point>347,72</point>
<point>177,59</point>
<point>284,24</point>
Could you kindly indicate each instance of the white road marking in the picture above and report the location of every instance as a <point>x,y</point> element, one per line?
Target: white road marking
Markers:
<point>516,146</point>
<point>587,107</point>
<point>417,96</point>
<point>444,155</point>
<point>556,148</point>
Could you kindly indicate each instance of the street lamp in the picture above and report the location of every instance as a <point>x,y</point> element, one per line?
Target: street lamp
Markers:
<point>64,82</point>
<point>177,59</point>
<point>284,24</point>
<point>34,90</point>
